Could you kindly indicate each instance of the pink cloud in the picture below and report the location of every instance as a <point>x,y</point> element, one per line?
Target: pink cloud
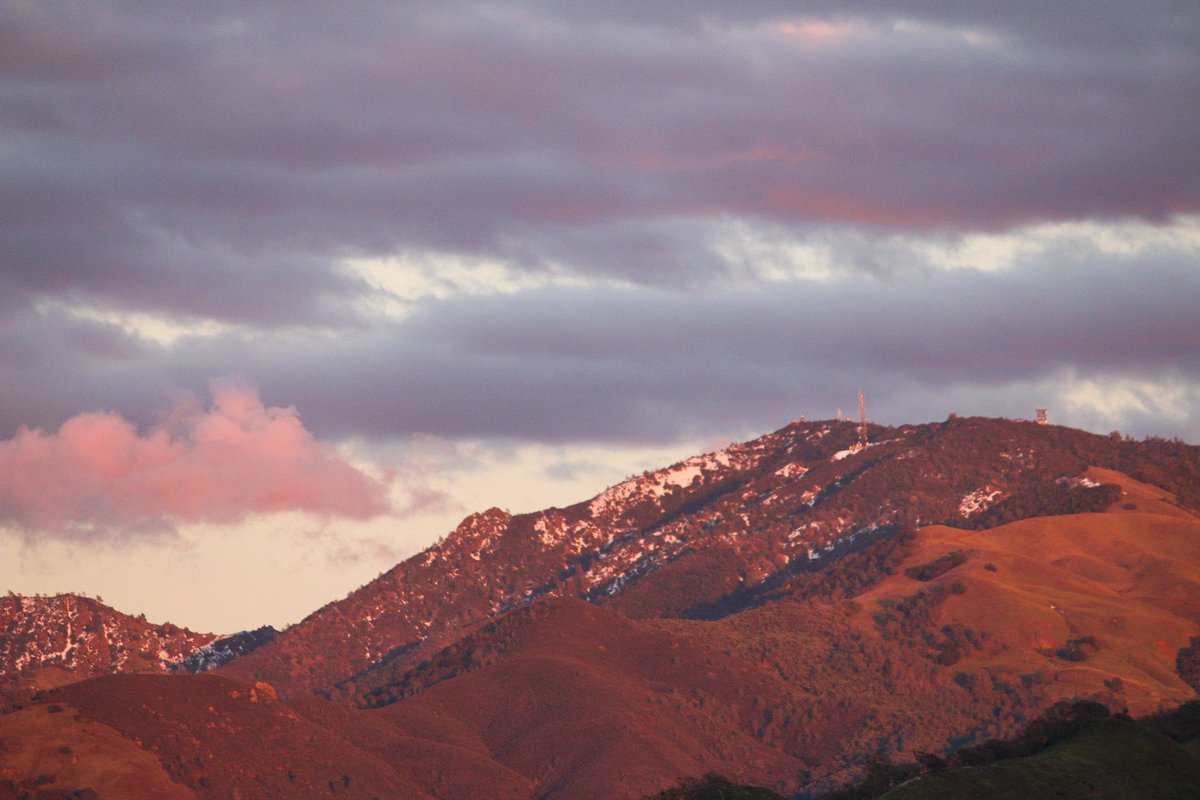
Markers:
<point>814,29</point>
<point>99,473</point>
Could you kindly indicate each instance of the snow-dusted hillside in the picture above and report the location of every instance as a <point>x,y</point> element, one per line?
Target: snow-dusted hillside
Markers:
<point>693,537</point>
<point>85,636</point>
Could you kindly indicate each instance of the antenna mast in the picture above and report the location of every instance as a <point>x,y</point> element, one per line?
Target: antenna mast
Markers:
<point>862,417</point>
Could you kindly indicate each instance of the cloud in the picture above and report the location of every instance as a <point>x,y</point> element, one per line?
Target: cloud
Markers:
<point>949,319</point>
<point>99,476</point>
<point>682,203</point>
<point>223,162</point>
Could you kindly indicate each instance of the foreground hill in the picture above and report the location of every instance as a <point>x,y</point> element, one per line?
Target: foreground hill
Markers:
<point>201,736</point>
<point>1112,759</point>
<point>1076,750</point>
<point>711,534</point>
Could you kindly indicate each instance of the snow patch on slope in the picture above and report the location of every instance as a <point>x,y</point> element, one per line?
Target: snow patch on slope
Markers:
<point>793,470</point>
<point>655,485</point>
<point>978,500</point>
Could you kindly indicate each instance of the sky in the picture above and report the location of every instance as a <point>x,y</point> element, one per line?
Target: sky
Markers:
<point>287,290</point>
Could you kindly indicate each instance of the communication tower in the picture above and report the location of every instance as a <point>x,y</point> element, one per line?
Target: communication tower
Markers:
<point>862,420</point>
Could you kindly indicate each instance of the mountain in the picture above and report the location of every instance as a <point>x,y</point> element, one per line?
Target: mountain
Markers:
<point>85,636</point>
<point>712,534</point>
<point>52,641</point>
<point>780,612</point>
<point>48,641</point>
<point>797,692</point>
<point>224,649</point>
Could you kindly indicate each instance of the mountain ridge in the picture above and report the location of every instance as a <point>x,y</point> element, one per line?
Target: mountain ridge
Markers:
<point>755,512</point>
<point>52,631</point>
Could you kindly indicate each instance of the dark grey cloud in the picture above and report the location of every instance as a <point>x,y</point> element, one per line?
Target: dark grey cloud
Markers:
<point>222,161</point>
<point>218,160</point>
<point>1074,24</point>
<point>636,364</point>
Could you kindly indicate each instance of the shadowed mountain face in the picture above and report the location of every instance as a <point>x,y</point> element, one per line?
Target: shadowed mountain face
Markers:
<point>779,612</point>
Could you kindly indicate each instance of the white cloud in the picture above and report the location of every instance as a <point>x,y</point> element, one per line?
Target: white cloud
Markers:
<point>1113,399</point>
<point>402,281</point>
<point>161,329</point>
<point>983,252</point>
<point>776,254</point>
<point>772,255</point>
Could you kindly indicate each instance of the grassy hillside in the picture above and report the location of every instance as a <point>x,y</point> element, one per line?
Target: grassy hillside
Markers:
<point>1076,751</point>
<point>1112,759</point>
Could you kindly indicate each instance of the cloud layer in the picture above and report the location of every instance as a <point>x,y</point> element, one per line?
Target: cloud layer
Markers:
<point>98,475</point>
<point>599,221</point>
<point>216,162</point>
<point>1040,317</point>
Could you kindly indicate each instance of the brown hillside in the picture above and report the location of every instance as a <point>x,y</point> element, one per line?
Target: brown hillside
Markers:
<point>1124,587</point>
<point>589,704</point>
<point>53,740</point>
<point>221,739</point>
<point>799,691</point>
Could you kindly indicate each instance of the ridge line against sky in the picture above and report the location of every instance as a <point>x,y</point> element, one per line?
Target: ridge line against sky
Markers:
<point>451,255</point>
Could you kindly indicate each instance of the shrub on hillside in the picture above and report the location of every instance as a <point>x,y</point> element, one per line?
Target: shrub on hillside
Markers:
<point>939,566</point>
<point>1061,720</point>
<point>1187,663</point>
<point>714,787</point>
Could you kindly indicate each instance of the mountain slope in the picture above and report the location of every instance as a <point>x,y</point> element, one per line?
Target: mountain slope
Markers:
<point>706,536</point>
<point>51,740</point>
<point>1113,760</point>
<point>620,706</point>
<point>567,699</point>
<point>85,636</point>
<point>51,641</point>
<point>216,738</point>
<point>796,693</point>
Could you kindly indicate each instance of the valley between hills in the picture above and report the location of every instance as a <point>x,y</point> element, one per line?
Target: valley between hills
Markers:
<point>784,612</point>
